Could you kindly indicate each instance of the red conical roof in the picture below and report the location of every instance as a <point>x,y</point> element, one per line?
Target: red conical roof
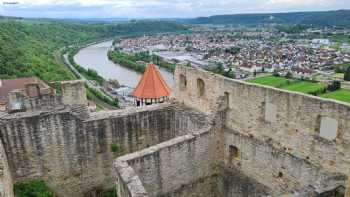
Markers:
<point>151,85</point>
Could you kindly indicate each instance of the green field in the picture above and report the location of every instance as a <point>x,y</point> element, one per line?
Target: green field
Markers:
<point>304,87</point>
<point>340,95</point>
<point>272,81</point>
<point>290,84</point>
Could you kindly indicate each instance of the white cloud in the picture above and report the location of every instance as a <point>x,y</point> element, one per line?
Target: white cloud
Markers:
<point>162,8</point>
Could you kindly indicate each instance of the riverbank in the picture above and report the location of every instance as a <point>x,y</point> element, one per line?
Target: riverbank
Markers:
<point>96,57</point>
<point>93,81</point>
<point>132,61</point>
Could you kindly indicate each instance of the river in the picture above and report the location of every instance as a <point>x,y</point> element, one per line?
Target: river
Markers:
<point>95,57</point>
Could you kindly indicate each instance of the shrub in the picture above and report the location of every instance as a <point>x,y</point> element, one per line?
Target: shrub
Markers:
<point>335,85</point>
<point>110,193</point>
<point>289,75</point>
<point>347,74</point>
<point>275,73</point>
<point>115,147</point>
<point>34,188</point>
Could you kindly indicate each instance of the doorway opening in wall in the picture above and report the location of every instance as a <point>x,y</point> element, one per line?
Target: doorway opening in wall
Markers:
<point>234,152</point>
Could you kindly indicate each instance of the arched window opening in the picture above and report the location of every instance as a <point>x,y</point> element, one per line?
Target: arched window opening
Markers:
<point>200,87</point>
<point>234,152</point>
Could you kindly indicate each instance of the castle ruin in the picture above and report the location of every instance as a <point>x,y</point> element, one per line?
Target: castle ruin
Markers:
<point>217,137</point>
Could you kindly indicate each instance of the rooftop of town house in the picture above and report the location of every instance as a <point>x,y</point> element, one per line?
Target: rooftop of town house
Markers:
<point>8,85</point>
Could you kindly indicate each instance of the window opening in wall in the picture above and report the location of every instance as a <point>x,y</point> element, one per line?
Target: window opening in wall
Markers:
<point>328,128</point>
<point>183,82</point>
<point>280,174</point>
<point>234,152</point>
<point>227,100</point>
<point>200,87</point>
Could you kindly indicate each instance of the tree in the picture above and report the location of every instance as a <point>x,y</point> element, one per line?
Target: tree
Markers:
<point>347,74</point>
<point>289,75</point>
<point>275,73</point>
<point>335,85</point>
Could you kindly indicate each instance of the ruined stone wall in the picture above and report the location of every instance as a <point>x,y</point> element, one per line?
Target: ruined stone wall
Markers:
<point>305,126</point>
<point>73,92</point>
<point>262,167</point>
<point>73,153</point>
<point>6,184</point>
<point>35,99</point>
<point>183,166</point>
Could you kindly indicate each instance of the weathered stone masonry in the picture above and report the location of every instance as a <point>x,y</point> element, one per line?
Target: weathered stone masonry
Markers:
<point>6,184</point>
<point>73,155</point>
<point>220,137</point>
<point>271,142</point>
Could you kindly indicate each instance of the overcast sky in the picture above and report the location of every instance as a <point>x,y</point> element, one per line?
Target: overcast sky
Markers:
<point>158,8</point>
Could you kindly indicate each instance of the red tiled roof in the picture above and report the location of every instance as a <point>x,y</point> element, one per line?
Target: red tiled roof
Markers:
<point>8,85</point>
<point>151,85</point>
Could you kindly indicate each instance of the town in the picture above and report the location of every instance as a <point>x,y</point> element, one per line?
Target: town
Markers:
<point>247,51</point>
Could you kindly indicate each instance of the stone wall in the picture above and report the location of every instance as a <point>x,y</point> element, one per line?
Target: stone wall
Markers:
<point>73,92</point>
<point>6,184</point>
<point>305,126</point>
<point>270,170</point>
<point>34,98</point>
<point>73,153</point>
<point>183,166</point>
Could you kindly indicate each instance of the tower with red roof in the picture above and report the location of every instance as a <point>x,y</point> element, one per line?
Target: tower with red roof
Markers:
<point>152,88</point>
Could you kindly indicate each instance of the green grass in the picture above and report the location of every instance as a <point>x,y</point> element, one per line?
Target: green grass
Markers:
<point>34,188</point>
<point>304,87</point>
<point>295,85</point>
<point>271,81</point>
<point>340,95</point>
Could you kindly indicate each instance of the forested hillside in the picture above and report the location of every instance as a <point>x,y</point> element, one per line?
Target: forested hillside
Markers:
<point>325,18</point>
<point>27,47</point>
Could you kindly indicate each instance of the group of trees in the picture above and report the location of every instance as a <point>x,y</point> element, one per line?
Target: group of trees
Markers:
<point>347,74</point>
<point>323,18</point>
<point>87,73</point>
<point>93,92</point>
<point>343,68</point>
<point>219,69</point>
<point>27,47</point>
<point>126,60</point>
<point>335,85</point>
<point>131,60</point>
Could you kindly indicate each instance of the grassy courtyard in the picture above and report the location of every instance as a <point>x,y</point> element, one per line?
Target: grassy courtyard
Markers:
<point>290,84</point>
<point>340,95</point>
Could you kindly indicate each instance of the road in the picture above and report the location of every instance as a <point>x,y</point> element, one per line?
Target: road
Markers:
<point>87,82</point>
